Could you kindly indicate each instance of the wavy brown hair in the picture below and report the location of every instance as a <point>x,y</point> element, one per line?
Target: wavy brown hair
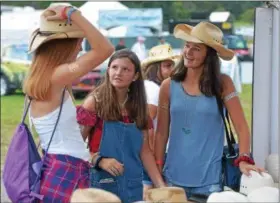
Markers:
<point>153,71</point>
<point>107,107</point>
<point>210,79</point>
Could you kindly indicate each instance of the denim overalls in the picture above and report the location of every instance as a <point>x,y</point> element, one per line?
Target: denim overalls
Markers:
<point>122,141</point>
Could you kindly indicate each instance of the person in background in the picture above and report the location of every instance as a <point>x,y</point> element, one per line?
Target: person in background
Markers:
<point>139,48</point>
<point>189,117</point>
<point>54,68</point>
<point>162,41</point>
<point>120,45</point>
<point>156,67</point>
<point>114,118</point>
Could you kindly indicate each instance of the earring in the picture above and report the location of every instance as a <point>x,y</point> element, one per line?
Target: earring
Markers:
<point>127,90</point>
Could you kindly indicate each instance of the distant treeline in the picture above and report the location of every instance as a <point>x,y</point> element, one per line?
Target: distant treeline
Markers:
<point>242,10</point>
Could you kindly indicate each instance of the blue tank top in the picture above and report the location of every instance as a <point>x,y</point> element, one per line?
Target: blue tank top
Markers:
<point>196,139</point>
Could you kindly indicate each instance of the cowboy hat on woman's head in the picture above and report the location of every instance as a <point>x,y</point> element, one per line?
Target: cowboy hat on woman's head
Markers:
<point>159,53</point>
<point>50,30</point>
<point>206,33</point>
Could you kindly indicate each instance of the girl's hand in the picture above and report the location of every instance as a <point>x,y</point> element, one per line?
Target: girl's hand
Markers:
<point>56,13</point>
<point>245,168</point>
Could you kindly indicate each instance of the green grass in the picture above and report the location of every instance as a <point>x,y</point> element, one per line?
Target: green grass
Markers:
<point>11,111</point>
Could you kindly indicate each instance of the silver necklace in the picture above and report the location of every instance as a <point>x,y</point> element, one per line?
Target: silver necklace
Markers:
<point>122,104</point>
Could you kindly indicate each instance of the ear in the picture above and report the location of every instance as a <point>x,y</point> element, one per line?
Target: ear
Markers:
<point>136,77</point>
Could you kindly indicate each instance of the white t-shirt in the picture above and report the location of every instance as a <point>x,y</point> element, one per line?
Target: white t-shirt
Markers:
<point>152,92</point>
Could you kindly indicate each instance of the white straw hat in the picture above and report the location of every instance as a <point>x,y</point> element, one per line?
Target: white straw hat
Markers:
<point>264,194</point>
<point>254,181</point>
<point>227,196</point>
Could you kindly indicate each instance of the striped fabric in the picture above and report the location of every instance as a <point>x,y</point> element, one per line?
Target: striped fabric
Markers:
<point>63,174</point>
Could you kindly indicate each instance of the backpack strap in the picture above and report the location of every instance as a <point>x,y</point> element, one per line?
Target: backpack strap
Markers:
<point>57,120</point>
<point>26,107</point>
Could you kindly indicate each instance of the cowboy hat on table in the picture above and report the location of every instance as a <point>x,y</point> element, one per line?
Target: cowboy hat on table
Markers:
<point>159,53</point>
<point>50,30</point>
<point>205,33</point>
<point>93,195</point>
<point>166,194</point>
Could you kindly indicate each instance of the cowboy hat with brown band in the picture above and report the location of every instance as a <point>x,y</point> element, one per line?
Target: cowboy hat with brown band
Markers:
<point>50,30</point>
<point>206,33</point>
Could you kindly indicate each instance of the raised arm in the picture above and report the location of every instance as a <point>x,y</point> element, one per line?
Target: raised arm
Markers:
<point>101,49</point>
<point>162,131</point>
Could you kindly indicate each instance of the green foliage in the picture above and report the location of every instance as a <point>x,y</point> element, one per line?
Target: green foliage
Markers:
<point>248,16</point>
<point>171,9</point>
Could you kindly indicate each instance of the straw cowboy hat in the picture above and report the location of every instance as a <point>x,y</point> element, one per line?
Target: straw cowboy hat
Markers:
<point>93,195</point>
<point>255,181</point>
<point>159,53</point>
<point>264,194</point>
<point>227,196</point>
<point>166,194</point>
<point>50,30</point>
<point>205,33</point>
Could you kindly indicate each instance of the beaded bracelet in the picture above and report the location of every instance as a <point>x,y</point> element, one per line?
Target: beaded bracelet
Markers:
<point>71,10</point>
<point>243,158</point>
<point>63,12</point>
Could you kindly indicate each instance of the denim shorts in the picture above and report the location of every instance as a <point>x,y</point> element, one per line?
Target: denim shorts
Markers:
<point>203,191</point>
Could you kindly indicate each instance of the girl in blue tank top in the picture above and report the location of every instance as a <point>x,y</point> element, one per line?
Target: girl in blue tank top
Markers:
<point>188,114</point>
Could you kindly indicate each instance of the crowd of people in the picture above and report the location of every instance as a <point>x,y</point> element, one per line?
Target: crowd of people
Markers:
<point>152,128</point>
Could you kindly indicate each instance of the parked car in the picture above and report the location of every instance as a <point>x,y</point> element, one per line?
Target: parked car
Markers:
<point>239,45</point>
<point>89,81</point>
<point>15,64</point>
<point>86,83</point>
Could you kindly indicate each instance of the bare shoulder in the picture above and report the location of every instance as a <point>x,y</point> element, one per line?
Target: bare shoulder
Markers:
<point>89,102</point>
<point>165,85</point>
<point>227,84</point>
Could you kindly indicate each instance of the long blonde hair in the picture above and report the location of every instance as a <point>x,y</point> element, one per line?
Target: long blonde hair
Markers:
<point>48,56</point>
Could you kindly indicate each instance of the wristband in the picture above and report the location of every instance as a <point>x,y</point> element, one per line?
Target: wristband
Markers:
<point>159,162</point>
<point>63,12</point>
<point>71,10</point>
<point>243,158</point>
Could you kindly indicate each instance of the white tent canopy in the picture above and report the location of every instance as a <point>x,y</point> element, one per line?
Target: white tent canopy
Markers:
<point>90,10</point>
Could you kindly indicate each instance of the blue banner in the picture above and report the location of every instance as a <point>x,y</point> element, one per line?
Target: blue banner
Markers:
<point>152,18</point>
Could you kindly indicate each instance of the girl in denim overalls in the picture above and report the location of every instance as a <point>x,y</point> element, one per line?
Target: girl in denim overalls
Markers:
<point>189,116</point>
<point>114,118</point>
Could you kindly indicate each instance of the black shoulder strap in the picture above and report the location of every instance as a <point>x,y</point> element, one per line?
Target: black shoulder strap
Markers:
<point>229,135</point>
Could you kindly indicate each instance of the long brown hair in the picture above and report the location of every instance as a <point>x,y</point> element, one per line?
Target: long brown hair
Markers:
<point>107,107</point>
<point>153,72</point>
<point>48,56</point>
<point>210,79</point>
